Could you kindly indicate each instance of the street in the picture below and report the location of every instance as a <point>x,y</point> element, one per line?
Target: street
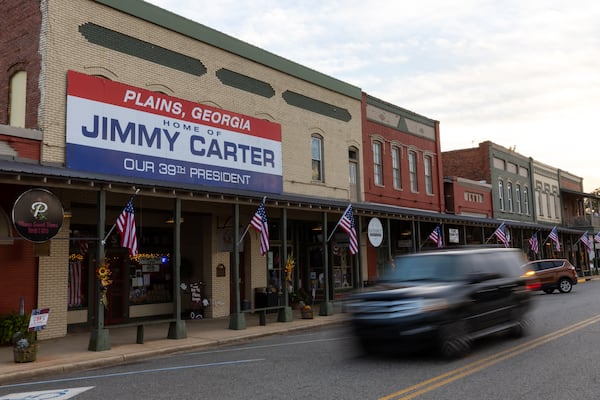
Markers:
<point>556,360</point>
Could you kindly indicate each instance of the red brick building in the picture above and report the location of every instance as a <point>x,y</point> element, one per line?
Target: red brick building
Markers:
<point>20,65</point>
<point>468,197</point>
<point>402,157</point>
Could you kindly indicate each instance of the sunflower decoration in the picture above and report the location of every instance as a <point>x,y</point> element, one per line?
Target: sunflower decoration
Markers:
<point>103,273</point>
<point>75,257</point>
<point>289,268</point>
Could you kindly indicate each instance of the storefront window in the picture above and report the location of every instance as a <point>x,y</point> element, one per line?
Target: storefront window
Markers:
<point>144,279</point>
<point>150,277</point>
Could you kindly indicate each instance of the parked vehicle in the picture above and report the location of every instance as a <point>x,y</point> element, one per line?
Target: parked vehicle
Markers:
<point>446,299</point>
<point>550,274</point>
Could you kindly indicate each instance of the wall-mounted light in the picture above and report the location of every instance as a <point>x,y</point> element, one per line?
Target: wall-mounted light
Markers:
<point>171,220</point>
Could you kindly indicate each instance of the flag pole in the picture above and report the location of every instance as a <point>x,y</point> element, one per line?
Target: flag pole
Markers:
<point>115,224</point>
<point>338,223</point>
<point>248,226</point>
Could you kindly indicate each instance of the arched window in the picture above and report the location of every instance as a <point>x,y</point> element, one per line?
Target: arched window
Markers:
<point>428,174</point>
<point>396,167</point>
<point>412,171</point>
<point>501,194</point>
<point>18,95</point>
<point>540,203</point>
<point>317,157</point>
<point>509,196</point>
<point>518,198</point>
<point>526,200</point>
<point>378,163</point>
<point>353,174</point>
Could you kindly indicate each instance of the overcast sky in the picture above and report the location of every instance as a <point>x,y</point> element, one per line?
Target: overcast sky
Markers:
<point>520,73</point>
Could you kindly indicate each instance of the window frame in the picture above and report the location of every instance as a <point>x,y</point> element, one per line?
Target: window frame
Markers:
<point>428,172</point>
<point>501,194</point>
<point>17,101</point>
<point>319,176</point>
<point>412,171</point>
<point>396,167</point>
<point>518,198</point>
<point>377,149</point>
<point>509,196</point>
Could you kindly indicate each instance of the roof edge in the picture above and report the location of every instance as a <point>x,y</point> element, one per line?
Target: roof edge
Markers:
<point>176,23</point>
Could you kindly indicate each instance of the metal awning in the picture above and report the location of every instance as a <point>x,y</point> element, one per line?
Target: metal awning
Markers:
<point>34,174</point>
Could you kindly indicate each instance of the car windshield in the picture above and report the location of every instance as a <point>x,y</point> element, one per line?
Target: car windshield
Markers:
<point>434,267</point>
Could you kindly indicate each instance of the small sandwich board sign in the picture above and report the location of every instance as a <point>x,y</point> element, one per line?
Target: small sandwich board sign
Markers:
<point>39,319</point>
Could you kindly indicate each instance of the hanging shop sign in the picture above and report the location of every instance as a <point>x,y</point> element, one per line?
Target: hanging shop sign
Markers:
<point>124,130</point>
<point>375,232</point>
<point>37,215</point>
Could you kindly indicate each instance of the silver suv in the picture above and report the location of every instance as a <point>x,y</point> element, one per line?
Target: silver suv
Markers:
<point>444,299</point>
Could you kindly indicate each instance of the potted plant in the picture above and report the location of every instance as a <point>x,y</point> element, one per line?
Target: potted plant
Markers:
<point>306,312</point>
<point>299,298</point>
<point>25,344</point>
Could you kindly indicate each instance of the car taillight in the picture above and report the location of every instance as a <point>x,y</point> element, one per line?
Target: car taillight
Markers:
<point>533,286</point>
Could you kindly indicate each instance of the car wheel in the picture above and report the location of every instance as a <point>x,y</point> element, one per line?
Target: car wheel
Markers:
<point>565,285</point>
<point>549,290</point>
<point>454,341</point>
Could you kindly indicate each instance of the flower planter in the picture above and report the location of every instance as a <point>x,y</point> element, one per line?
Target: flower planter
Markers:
<point>306,314</point>
<point>26,354</point>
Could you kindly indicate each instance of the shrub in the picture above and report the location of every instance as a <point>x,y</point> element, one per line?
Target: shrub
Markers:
<point>10,325</point>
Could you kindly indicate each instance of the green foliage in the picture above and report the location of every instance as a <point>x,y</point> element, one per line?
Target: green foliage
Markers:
<point>300,295</point>
<point>12,324</point>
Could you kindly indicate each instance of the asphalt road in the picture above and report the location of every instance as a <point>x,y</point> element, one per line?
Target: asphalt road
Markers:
<point>558,360</point>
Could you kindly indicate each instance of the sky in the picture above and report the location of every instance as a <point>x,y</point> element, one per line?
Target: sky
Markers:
<point>524,74</point>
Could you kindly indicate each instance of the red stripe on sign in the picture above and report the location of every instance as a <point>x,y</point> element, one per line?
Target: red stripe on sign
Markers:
<point>118,94</point>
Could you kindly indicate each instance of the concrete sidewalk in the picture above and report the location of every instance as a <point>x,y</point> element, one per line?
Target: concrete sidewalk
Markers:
<point>71,353</point>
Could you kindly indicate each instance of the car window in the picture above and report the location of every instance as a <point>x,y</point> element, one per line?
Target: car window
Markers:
<point>437,267</point>
<point>534,266</point>
<point>547,264</point>
<point>505,264</point>
<point>454,266</point>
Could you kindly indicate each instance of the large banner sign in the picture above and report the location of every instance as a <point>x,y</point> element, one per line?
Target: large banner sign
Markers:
<point>123,130</point>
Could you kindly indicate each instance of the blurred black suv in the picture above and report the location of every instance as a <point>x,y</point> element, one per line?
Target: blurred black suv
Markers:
<point>444,299</point>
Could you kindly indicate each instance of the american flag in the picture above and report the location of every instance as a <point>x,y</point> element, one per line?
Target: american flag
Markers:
<point>347,224</point>
<point>597,237</point>
<point>83,247</point>
<point>126,226</point>
<point>585,239</point>
<point>75,292</point>
<point>500,233</point>
<point>436,237</point>
<point>259,222</point>
<point>554,236</point>
<point>534,244</point>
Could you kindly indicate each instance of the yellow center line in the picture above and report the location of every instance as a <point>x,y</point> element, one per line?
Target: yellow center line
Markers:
<point>471,368</point>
